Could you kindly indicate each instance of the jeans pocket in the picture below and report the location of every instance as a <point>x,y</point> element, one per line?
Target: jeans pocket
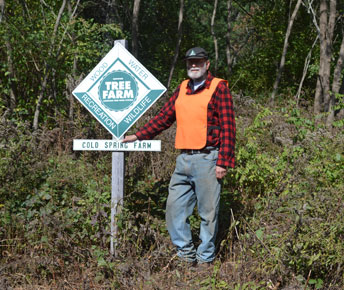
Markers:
<point>212,156</point>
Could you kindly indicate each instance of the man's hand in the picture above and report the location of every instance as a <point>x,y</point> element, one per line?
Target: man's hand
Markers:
<point>220,172</point>
<point>129,138</point>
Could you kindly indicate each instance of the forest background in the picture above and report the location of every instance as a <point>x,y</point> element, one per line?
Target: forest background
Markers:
<point>282,213</point>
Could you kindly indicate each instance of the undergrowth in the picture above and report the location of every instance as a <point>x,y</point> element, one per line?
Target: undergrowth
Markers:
<point>281,215</point>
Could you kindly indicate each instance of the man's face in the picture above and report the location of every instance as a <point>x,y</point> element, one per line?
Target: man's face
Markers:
<point>197,68</point>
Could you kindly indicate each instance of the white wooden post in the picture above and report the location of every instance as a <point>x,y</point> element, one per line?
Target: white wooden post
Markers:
<point>88,95</point>
<point>117,185</point>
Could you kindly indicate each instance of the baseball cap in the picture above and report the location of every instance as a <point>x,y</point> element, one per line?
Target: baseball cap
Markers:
<point>196,52</point>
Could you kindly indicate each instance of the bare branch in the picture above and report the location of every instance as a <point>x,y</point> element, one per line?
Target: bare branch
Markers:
<point>47,70</point>
<point>214,36</point>
<point>71,17</point>
<point>228,35</point>
<point>305,69</point>
<point>311,10</point>
<point>285,47</point>
<point>2,9</point>
<point>180,34</point>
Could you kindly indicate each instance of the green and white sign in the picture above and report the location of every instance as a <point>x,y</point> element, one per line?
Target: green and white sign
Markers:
<point>118,91</point>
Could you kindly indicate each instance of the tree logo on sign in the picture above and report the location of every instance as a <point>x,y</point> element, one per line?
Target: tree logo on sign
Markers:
<point>118,90</point>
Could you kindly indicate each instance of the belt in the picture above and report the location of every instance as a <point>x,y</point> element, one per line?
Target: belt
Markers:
<point>198,151</point>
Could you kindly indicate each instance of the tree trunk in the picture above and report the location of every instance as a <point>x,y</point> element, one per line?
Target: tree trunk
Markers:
<point>2,9</point>
<point>58,48</point>
<point>336,83</point>
<point>180,34</point>
<point>318,98</point>
<point>113,16</point>
<point>285,48</point>
<point>13,98</point>
<point>47,70</point>
<point>135,28</point>
<point>214,36</point>
<point>329,41</point>
<point>72,78</point>
<point>228,36</point>
<point>321,99</point>
<point>12,88</point>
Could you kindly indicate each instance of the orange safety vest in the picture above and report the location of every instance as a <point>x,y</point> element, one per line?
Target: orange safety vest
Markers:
<point>191,115</point>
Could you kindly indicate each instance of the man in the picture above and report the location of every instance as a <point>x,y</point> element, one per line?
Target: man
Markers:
<point>203,109</point>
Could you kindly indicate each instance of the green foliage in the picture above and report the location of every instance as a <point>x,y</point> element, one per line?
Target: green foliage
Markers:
<point>339,105</point>
<point>266,23</point>
<point>255,168</point>
<point>37,53</point>
<point>21,166</point>
<point>296,224</point>
<point>249,286</point>
<point>281,208</point>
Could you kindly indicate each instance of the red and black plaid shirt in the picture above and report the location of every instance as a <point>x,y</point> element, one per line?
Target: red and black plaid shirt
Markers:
<point>221,121</point>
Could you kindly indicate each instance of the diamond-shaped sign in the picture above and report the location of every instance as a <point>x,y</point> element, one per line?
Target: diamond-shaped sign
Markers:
<point>118,90</point>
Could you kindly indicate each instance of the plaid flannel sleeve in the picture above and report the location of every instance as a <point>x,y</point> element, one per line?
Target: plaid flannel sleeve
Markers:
<point>163,120</point>
<point>227,124</point>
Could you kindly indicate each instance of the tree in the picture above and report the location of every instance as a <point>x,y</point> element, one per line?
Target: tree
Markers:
<point>326,25</point>
<point>45,52</point>
<point>135,27</point>
<point>47,69</point>
<point>180,34</point>
<point>12,99</point>
<point>285,47</point>
<point>2,9</point>
<point>336,83</point>
<point>228,36</point>
<point>43,55</point>
<point>214,36</point>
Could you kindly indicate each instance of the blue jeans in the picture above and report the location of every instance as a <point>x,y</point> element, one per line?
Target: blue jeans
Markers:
<point>194,181</point>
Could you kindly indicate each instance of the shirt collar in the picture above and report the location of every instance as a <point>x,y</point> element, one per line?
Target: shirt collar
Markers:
<point>205,85</point>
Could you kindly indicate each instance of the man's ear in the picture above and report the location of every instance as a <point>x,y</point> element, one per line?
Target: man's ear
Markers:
<point>208,64</point>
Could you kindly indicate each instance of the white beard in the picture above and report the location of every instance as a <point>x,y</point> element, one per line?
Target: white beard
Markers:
<point>197,73</point>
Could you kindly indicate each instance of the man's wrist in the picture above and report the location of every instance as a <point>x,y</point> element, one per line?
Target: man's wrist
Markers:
<point>222,166</point>
<point>138,135</point>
